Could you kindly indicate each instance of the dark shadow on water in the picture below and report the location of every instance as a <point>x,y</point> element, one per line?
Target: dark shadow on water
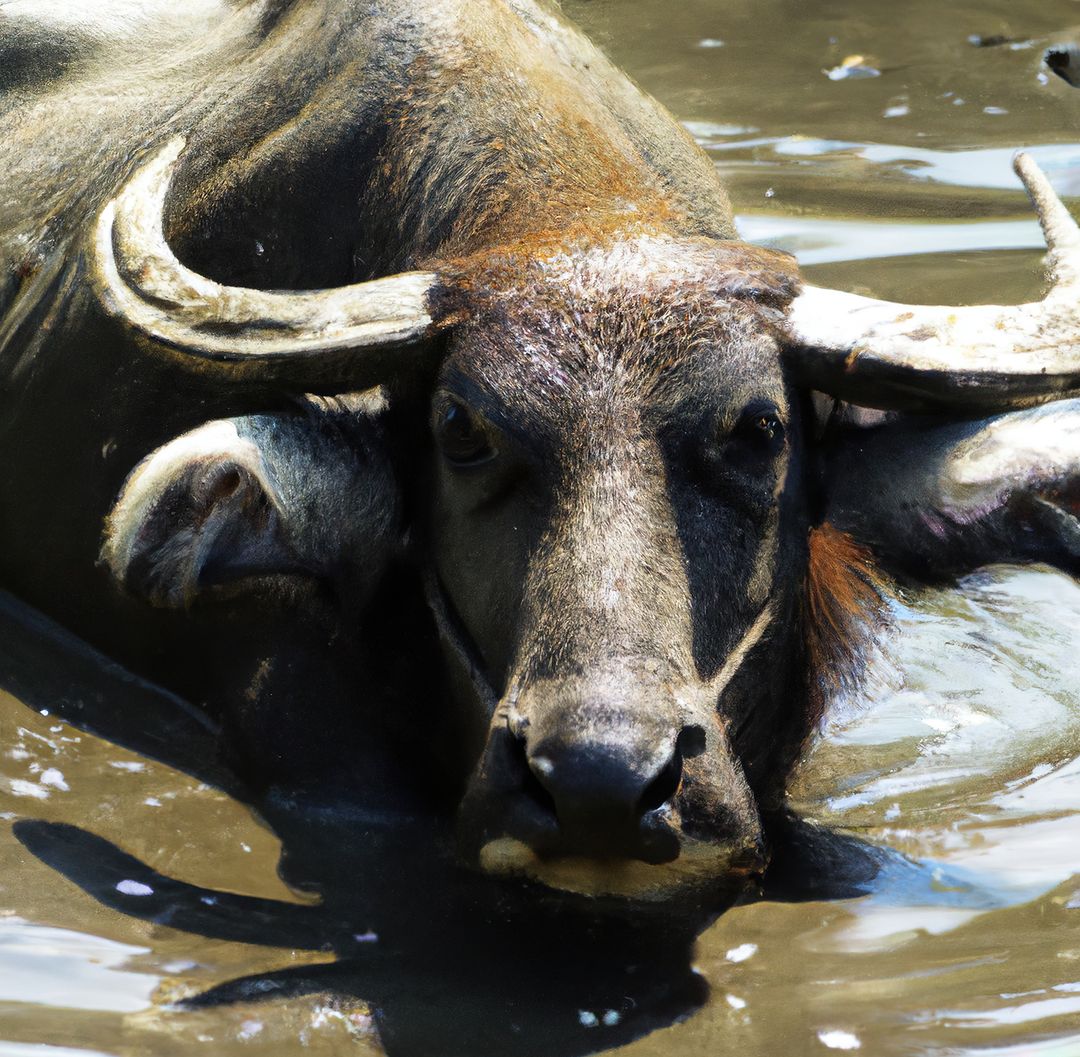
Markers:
<point>47,667</point>
<point>451,962</point>
<point>449,965</point>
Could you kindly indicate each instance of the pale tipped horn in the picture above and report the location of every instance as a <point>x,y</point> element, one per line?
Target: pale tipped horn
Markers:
<point>917,357</point>
<point>235,330</point>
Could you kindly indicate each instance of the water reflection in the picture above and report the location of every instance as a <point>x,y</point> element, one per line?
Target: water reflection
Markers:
<point>403,946</point>
<point>69,970</point>
<point>989,167</point>
<point>815,240</point>
<point>956,930</point>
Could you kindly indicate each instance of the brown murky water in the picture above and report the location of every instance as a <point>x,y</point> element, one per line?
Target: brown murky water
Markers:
<point>888,173</point>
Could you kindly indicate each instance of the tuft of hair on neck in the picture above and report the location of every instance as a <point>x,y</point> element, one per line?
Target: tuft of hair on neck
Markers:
<point>844,606</point>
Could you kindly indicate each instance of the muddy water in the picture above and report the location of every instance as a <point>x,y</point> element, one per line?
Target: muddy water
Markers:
<point>874,141</point>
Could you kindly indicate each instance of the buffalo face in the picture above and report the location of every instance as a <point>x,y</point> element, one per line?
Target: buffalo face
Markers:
<point>616,542</point>
<point>617,531</point>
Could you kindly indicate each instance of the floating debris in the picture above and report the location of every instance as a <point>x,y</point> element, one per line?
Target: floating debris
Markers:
<point>852,68</point>
<point>1064,60</point>
<point>996,40</point>
<point>710,42</point>
<point>899,110</point>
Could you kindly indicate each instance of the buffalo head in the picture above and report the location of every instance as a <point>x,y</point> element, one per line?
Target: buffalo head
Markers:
<point>620,528</point>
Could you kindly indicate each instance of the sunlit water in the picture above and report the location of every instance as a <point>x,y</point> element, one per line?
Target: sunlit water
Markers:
<point>890,174</point>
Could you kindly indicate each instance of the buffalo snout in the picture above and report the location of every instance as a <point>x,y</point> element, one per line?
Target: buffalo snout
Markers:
<point>590,795</point>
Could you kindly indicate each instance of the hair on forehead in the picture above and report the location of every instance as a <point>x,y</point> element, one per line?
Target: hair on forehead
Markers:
<point>644,265</point>
<point>638,306</point>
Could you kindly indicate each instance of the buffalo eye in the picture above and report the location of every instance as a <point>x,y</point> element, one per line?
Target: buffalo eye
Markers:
<point>460,435</point>
<point>760,424</point>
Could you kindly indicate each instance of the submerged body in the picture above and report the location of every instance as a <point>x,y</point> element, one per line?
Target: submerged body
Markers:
<point>593,495</point>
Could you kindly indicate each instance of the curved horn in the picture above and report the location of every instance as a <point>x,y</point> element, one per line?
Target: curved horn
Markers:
<point>914,357</point>
<point>260,333</point>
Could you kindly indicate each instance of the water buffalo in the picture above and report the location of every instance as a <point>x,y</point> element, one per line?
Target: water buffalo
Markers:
<point>472,456</point>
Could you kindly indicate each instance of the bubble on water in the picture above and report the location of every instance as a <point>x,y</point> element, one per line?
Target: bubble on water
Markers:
<point>735,1001</point>
<point>899,110</point>
<point>180,966</point>
<point>611,1017</point>
<point>134,888</point>
<point>249,1029</point>
<point>52,777</point>
<point>710,42</point>
<point>742,952</point>
<point>132,766</point>
<point>994,110</point>
<point>21,787</point>
<point>587,1018</point>
<point>839,1040</point>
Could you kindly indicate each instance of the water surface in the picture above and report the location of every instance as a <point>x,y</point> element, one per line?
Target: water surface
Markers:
<point>874,141</point>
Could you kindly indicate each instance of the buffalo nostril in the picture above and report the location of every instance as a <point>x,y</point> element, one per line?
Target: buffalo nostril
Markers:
<point>536,769</point>
<point>663,787</point>
<point>590,786</point>
<point>691,741</point>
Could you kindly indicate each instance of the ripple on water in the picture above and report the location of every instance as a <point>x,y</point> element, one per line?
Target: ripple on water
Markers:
<point>69,970</point>
<point>963,746</point>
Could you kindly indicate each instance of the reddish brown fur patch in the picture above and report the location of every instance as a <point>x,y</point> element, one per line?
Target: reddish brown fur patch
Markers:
<point>843,607</point>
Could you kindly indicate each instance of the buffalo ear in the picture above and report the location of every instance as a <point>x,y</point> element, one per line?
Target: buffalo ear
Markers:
<point>935,498</point>
<point>200,511</point>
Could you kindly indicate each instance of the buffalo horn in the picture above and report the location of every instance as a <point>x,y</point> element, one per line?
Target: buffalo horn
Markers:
<point>915,357</point>
<point>281,336</point>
